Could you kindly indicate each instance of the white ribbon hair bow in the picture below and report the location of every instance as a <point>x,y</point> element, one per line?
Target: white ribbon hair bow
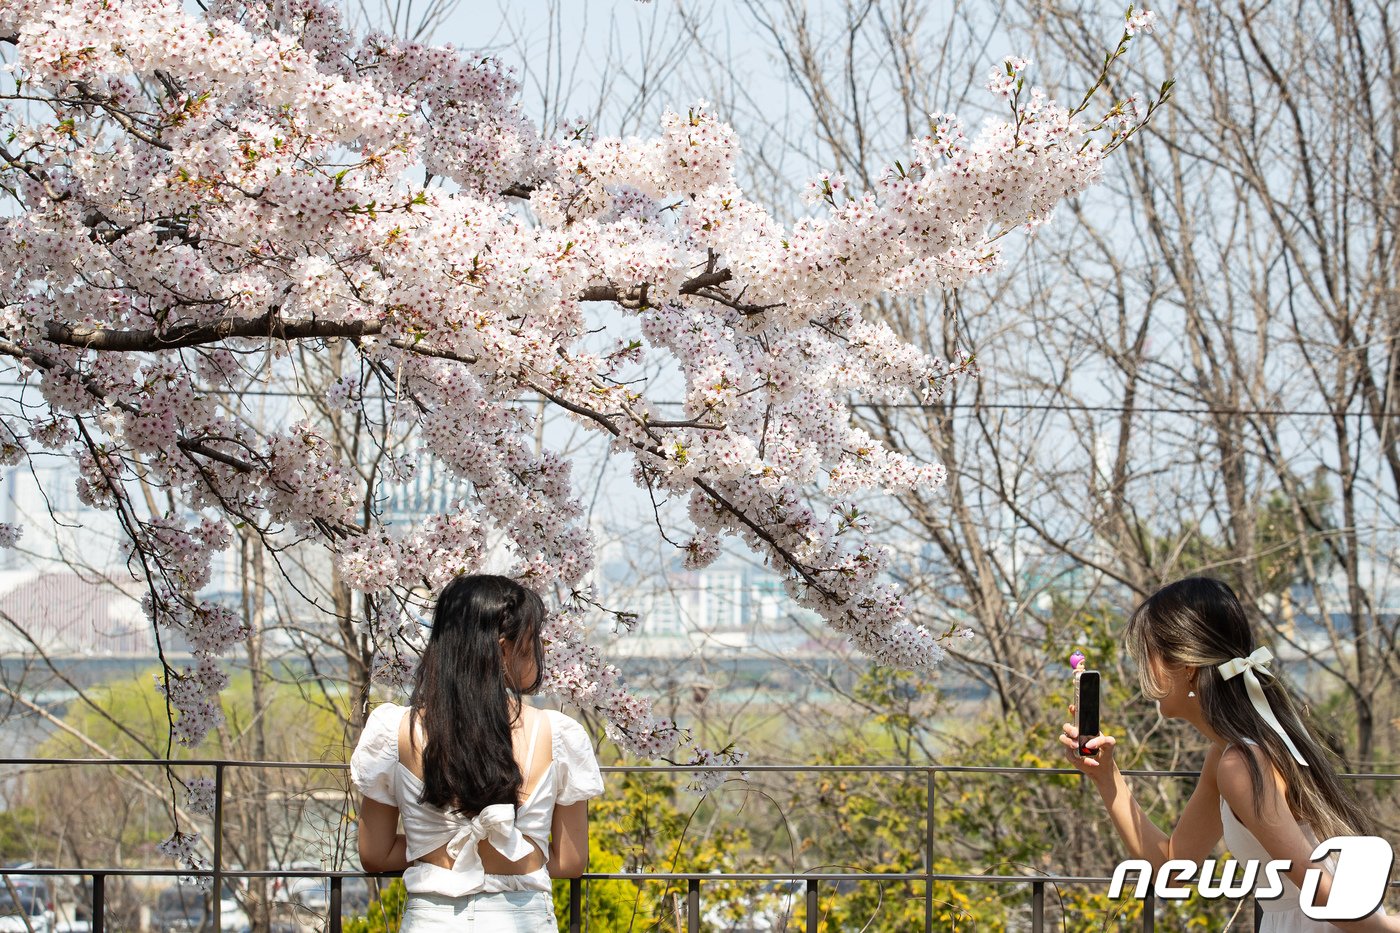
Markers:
<point>1259,661</point>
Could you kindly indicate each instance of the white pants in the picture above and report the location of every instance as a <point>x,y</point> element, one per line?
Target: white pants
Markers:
<point>502,912</point>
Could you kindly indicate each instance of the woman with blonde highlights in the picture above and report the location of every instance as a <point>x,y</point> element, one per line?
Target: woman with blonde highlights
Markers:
<point>1267,786</point>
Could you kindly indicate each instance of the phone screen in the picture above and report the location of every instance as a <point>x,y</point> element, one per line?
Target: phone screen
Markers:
<point>1086,709</point>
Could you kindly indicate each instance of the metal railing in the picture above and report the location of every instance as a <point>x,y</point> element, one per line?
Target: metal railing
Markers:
<point>811,881</point>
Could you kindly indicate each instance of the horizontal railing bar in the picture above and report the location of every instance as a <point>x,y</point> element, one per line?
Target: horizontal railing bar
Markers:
<point>606,876</point>
<point>598,876</point>
<point>200,873</point>
<point>885,769</point>
<point>842,876</point>
<point>634,769</point>
<point>181,763</point>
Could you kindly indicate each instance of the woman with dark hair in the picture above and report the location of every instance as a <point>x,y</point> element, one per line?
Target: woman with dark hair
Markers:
<point>1267,786</point>
<point>492,792</point>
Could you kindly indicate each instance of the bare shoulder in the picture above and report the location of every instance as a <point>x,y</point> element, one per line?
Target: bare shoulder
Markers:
<point>544,718</point>
<point>1211,766</point>
<point>562,723</point>
<point>1232,770</point>
<point>411,741</point>
<point>1236,784</point>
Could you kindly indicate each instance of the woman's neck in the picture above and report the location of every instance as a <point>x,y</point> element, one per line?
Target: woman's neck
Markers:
<point>1197,719</point>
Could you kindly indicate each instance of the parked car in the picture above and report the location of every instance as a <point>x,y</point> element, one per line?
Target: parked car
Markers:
<point>314,895</point>
<point>181,908</point>
<point>34,887</point>
<point>32,904</point>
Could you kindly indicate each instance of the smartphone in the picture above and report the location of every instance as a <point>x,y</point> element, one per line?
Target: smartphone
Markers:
<point>1086,709</point>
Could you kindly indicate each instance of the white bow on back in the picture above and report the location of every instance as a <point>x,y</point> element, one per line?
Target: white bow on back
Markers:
<point>494,825</point>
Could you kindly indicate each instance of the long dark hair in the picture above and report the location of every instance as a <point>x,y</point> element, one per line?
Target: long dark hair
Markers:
<point>463,697</point>
<point>1199,622</point>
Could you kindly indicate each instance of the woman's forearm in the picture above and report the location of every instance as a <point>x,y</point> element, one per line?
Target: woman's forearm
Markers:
<point>567,861</point>
<point>565,872</point>
<point>398,854</point>
<point>1140,835</point>
<point>395,859</point>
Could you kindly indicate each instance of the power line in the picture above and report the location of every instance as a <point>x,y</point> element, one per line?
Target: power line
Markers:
<point>1124,409</point>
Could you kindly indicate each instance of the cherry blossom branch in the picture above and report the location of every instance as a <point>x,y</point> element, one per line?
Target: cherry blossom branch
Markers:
<point>272,326</point>
<point>224,217</point>
<point>123,119</point>
<point>183,336</point>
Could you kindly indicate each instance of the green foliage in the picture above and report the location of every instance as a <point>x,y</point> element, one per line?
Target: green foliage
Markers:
<point>1281,556</point>
<point>129,718</point>
<point>384,913</point>
<point>19,829</point>
<point>129,721</point>
<point>607,905</point>
<point>645,823</point>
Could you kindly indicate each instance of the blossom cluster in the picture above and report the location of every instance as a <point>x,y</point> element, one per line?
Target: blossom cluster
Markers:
<point>576,672</point>
<point>10,534</point>
<point>198,191</point>
<point>199,795</point>
<point>182,847</point>
<point>703,782</point>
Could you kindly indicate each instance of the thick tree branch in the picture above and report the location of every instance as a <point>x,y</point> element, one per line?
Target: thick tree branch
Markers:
<point>182,336</point>
<point>636,296</point>
<point>272,327</point>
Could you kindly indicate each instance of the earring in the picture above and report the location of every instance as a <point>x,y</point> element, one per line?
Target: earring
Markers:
<point>1190,693</point>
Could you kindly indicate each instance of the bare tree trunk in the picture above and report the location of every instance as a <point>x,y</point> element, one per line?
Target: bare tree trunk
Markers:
<point>258,842</point>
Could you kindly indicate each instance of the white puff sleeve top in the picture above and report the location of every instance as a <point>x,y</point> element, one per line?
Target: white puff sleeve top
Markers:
<point>571,776</point>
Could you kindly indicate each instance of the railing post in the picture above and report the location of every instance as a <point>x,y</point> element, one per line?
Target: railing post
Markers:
<point>692,906</point>
<point>813,906</point>
<point>928,852</point>
<point>334,918</point>
<point>99,903</point>
<point>575,905</point>
<point>1037,906</point>
<point>216,895</point>
<point>1149,912</point>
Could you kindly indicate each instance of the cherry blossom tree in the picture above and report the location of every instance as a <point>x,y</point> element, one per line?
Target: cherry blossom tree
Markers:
<point>197,201</point>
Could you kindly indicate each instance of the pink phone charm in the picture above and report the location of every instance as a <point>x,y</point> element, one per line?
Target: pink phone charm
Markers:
<point>1076,661</point>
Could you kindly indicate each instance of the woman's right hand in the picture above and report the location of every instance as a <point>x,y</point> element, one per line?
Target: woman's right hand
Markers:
<point>1098,767</point>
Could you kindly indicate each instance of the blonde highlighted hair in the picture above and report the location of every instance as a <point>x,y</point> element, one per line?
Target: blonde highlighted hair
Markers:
<point>1199,623</point>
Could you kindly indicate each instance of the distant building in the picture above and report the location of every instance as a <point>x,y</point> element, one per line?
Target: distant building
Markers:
<point>70,616</point>
<point>431,490</point>
<point>42,498</point>
<point>728,608</point>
